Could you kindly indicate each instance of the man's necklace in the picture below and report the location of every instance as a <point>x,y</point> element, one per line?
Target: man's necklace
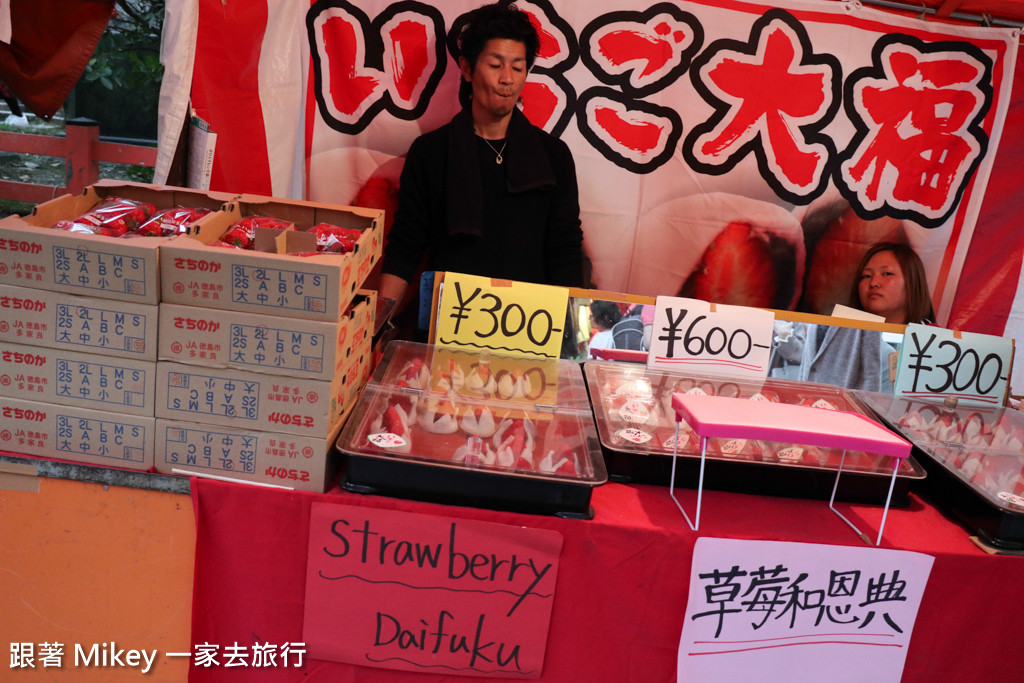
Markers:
<point>499,152</point>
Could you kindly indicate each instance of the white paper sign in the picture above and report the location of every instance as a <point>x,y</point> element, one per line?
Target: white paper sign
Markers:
<point>774,611</point>
<point>938,363</point>
<point>688,337</point>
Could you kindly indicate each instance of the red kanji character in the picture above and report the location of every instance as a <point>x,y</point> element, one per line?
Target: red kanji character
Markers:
<point>919,148</point>
<point>780,95</point>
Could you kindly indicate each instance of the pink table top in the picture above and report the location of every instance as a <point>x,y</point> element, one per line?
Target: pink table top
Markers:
<point>719,416</point>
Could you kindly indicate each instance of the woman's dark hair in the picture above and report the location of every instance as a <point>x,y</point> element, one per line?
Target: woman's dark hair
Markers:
<point>606,313</point>
<point>915,283</point>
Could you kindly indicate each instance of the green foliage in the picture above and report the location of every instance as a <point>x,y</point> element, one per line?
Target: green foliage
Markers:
<point>128,54</point>
<point>121,85</point>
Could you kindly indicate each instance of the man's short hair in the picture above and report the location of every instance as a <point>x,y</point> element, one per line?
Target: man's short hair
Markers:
<point>489,22</point>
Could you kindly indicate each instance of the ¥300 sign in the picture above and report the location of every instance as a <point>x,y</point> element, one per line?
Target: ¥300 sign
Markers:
<point>517,318</point>
<point>939,363</point>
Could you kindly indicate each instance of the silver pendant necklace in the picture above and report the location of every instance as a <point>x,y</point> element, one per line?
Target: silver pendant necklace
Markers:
<point>499,152</point>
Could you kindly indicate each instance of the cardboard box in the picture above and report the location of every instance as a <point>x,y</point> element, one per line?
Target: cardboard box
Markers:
<point>86,380</point>
<point>256,401</point>
<point>33,254</point>
<point>194,272</point>
<point>299,462</point>
<point>39,317</point>
<point>269,344</point>
<point>96,437</point>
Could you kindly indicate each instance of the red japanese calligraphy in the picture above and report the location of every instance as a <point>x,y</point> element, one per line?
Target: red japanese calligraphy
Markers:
<point>361,67</point>
<point>644,50</point>
<point>918,113</point>
<point>545,102</point>
<point>774,94</point>
<point>640,136</point>
<point>557,39</point>
<point>351,86</point>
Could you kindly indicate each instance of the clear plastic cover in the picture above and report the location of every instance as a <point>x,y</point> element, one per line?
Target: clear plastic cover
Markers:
<point>982,446</point>
<point>451,408</point>
<point>633,410</point>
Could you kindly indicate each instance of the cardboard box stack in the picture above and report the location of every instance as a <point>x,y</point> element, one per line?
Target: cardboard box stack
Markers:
<point>262,353</point>
<point>78,331</point>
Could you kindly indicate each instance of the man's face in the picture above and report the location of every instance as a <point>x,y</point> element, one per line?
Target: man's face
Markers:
<point>497,78</point>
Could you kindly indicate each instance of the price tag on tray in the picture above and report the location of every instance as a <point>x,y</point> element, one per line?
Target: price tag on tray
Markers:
<point>476,313</point>
<point>689,336</point>
<point>939,363</point>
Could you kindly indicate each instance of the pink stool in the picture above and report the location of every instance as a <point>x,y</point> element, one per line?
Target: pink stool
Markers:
<point>718,416</point>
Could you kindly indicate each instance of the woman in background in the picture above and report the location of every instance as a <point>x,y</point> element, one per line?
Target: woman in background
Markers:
<point>891,283</point>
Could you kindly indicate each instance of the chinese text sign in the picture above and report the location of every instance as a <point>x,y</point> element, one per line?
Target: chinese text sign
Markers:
<point>424,593</point>
<point>799,612</point>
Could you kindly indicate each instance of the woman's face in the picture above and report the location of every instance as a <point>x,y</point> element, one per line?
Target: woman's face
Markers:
<point>881,288</point>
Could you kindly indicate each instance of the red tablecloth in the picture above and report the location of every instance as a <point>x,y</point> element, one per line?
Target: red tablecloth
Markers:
<point>622,580</point>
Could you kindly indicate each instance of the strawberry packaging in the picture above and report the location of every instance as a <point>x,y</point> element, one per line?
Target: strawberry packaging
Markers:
<point>101,254</point>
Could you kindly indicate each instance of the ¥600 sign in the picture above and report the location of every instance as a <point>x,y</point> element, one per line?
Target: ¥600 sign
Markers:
<point>731,340</point>
<point>508,317</point>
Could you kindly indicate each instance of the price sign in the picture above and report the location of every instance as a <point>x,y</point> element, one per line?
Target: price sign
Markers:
<point>938,363</point>
<point>507,317</point>
<point>731,340</point>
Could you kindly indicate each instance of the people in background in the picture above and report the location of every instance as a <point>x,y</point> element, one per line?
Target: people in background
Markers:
<point>628,333</point>
<point>891,283</point>
<point>603,316</point>
<point>488,193</point>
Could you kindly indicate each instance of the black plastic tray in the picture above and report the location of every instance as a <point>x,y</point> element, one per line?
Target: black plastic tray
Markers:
<point>473,488</point>
<point>955,483</point>
<point>865,477</point>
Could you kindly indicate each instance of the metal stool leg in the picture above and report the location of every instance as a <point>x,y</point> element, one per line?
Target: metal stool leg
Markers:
<point>700,481</point>
<point>832,500</point>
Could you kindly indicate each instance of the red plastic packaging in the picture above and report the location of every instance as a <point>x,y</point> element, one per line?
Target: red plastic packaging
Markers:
<point>113,217</point>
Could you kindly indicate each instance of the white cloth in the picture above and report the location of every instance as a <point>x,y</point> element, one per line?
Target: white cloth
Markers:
<point>601,340</point>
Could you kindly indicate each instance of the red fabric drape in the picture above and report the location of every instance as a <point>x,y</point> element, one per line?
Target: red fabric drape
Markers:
<point>988,280</point>
<point>622,580</point>
<point>225,88</point>
<point>51,44</point>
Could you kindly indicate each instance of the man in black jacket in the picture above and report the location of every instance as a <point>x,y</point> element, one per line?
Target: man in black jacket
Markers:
<point>488,193</point>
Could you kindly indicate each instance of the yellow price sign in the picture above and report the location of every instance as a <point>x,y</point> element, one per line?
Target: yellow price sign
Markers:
<point>507,317</point>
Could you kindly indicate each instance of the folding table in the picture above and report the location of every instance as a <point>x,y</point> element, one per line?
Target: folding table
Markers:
<point>719,416</point>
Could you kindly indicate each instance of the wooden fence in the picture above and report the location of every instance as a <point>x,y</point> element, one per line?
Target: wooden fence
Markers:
<point>82,151</point>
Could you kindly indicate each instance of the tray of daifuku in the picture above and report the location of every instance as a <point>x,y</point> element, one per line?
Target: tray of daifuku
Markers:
<point>638,432</point>
<point>481,429</point>
<point>974,456</point>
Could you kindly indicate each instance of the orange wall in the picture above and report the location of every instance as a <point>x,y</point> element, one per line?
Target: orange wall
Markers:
<point>87,563</point>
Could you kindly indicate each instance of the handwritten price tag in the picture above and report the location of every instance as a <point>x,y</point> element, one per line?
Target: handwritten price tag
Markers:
<point>732,340</point>
<point>510,317</point>
<point>935,362</point>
